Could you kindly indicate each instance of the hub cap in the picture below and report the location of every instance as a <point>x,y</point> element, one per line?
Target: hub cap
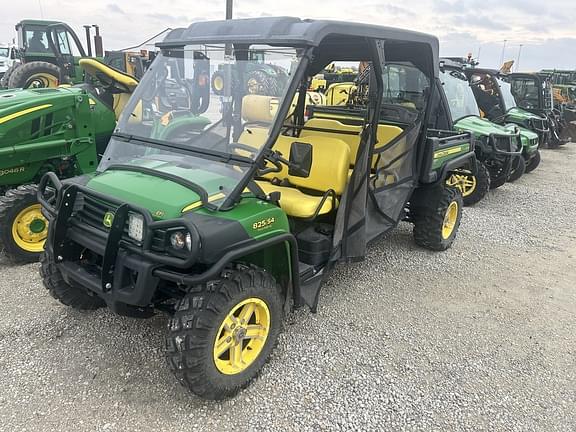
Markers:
<point>241,336</point>
<point>450,219</point>
<point>30,229</point>
<point>464,181</point>
<point>218,83</point>
<point>41,80</point>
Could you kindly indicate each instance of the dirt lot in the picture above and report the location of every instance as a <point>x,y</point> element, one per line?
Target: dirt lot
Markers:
<point>478,338</point>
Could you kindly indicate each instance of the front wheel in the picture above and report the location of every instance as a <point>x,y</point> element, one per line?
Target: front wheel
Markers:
<point>223,332</point>
<point>533,163</point>
<point>436,215</point>
<point>473,187</point>
<point>23,228</point>
<point>518,168</point>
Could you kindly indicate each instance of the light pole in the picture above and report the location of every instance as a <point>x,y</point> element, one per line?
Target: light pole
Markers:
<point>518,60</point>
<point>503,50</point>
<point>228,9</point>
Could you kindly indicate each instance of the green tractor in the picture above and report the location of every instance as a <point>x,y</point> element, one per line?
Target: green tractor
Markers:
<point>534,92</point>
<point>496,102</point>
<point>498,148</point>
<point>62,130</point>
<point>228,227</point>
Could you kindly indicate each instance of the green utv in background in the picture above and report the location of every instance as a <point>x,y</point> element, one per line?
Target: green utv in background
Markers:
<point>497,147</point>
<point>497,104</point>
<point>228,227</point>
<point>63,130</point>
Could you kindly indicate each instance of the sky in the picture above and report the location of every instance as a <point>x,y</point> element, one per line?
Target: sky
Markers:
<point>546,29</point>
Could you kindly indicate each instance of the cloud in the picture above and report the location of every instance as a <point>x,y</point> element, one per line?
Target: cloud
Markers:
<point>115,9</point>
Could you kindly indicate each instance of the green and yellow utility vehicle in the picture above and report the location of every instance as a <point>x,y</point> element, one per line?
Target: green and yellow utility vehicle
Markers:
<point>61,130</point>
<point>496,102</point>
<point>227,228</point>
<point>498,148</point>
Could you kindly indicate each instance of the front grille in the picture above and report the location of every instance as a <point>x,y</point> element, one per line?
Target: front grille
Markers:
<point>503,143</point>
<point>91,211</point>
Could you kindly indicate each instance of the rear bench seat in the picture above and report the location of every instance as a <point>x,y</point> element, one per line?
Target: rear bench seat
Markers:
<point>300,197</point>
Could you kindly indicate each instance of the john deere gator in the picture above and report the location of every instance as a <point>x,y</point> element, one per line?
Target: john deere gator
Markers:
<point>227,228</point>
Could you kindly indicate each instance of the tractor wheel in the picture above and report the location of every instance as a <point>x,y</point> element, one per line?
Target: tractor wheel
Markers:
<point>23,228</point>
<point>223,332</point>
<point>473,188</point>
<point>218,83</point>
<point>518,169</point>
<point>261,83</point>
<point>6,77</point>
<point>533,163</point>
<point>69,295</point>
<point>36,74</point>
<point>436,215</point>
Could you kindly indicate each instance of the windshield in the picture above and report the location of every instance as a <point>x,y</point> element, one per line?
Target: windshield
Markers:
<point>526,92</point>
<point>3,52</point>
<point>506,90</point>
<point>194,107</point>
<point>460,97</point>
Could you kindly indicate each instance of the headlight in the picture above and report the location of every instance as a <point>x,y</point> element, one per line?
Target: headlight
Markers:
<point>180,239</point>
<point>136,226</point>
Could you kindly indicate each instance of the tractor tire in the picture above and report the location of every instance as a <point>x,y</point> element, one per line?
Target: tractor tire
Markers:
<point>518,169</point>
<point>218,83</point>
<point>473,188</point>
<point>261,83</point>
<point>208,346</point>
<point>436,215</point>
<point>533,163</point>
<point>6,77</point>
<point>23,228</point>
<point>36,74</point>
<point>69,295</point>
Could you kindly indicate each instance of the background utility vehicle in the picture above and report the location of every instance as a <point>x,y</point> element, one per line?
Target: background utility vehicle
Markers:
<point>225,228</point>
<point>61,130</point>
<point>494,97</point>
<point>496,146</point>
<point>534,93</point>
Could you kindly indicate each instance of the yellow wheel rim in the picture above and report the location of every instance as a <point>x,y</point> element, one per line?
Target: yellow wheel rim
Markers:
<point>218,83</point>
<point>42,80</point>
<point>30,229</point>
<point>241,336</point>
<point>464,181</point>
<point>253,86</point>
<point>450,219</point>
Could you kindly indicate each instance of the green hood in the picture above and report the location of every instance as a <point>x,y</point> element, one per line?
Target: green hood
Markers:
<point>165,199</point>
<point>521,114</point>
<point>480,127</point>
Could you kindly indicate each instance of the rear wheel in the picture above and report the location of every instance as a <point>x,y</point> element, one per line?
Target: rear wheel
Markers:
<point>69,295</point>
<point>223,332</point>
<point>23,228</point>
<point>436,215</point>
<point>518,168</point>
<point>37,74</point>
<point>261,83</point>
<point>218,83</point>
<point>472,187</point>
<point>533,163</point>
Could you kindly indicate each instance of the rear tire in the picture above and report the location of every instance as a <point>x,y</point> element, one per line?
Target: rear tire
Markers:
<point>261,83</point>
<point>206,315</point>
<point>69,295</point>
<point>23,229</point>
<point>518,168</point>
<point>473,188</point>
<point>533,163</point>
<point>436,214</point>
<point>218,83</point>
<point>36,74</point>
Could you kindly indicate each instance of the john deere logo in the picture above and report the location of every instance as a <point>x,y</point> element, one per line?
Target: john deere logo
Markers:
<point>108,219</point>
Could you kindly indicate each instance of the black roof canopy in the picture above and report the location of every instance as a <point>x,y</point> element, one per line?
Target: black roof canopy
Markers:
<point>290,31</point>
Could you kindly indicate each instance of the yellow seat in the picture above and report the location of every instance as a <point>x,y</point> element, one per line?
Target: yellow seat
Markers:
<point>296,203</point>
<point>339,93</point>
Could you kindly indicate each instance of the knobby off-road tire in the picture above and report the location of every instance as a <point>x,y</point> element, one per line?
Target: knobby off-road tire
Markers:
<point>199,323</point>
<point>533,163</point>
<point>518,169</point>
<point>35,74</point>
<point>6,77</point>
<point>261,83</point>
<point>69,295</point>
<point>218,83</point>
<point>436,214</point>
<point>23,229</point>
<point>473,188</point>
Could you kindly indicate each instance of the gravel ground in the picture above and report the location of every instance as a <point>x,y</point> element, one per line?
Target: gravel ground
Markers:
<point>480,337</point>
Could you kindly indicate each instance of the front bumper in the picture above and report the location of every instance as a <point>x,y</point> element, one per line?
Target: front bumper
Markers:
<point>498,151</point>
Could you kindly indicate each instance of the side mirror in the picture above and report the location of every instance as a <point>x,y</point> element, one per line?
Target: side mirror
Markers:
<point>300,159</point>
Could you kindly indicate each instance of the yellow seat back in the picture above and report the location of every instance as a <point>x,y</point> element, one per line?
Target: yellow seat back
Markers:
<point>338,93</point>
